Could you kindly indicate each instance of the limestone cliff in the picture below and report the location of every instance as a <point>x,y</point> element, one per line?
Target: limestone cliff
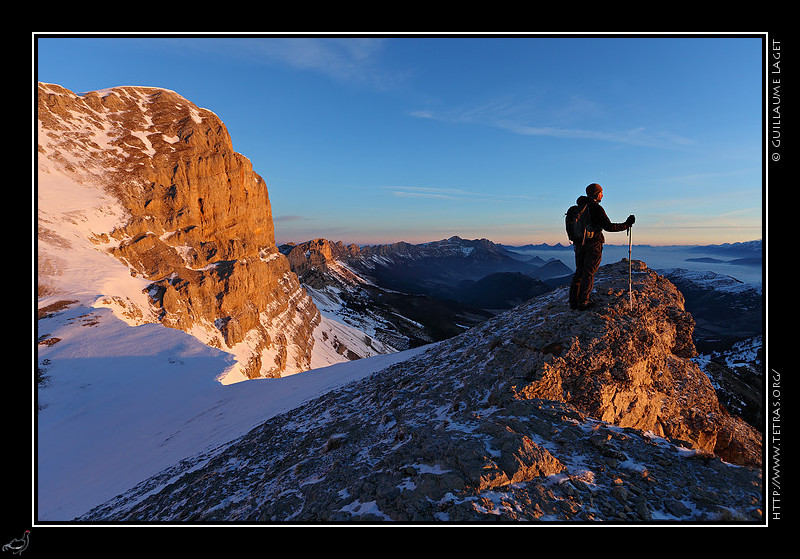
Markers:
<point>192,220</point>
<point>541,413</point>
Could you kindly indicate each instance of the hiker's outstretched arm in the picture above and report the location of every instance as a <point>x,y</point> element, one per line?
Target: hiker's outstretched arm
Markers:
<point>600,219</point>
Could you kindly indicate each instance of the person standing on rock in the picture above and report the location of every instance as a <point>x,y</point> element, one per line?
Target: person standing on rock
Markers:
<point>589,245</point>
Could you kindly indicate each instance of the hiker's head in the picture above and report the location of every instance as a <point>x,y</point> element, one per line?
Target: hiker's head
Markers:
<point>594,191</point>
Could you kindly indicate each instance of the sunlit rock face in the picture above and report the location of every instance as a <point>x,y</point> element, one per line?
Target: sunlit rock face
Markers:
<point>193,220</point>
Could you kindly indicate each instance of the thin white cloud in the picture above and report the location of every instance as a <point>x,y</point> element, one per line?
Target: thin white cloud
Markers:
<point>553,121</point>
<point>710,176</point>
<point>438,193</point>
<point>345,59</point>
<point>430,192</point>
<point>637,137</point>
<point>341,58</point>
<point>286,218</point>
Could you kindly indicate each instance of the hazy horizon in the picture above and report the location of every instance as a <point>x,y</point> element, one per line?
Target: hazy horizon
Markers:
<point>564,243</point>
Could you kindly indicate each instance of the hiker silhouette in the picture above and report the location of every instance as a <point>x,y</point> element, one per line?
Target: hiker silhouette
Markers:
<point>585,223</point>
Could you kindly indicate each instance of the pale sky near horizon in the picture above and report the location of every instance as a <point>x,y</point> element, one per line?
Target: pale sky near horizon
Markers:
<point>375,139</point>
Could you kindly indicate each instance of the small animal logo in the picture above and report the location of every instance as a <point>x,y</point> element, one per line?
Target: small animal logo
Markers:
<point>18,545</point>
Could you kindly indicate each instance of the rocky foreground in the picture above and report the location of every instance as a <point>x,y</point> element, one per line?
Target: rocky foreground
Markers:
<point>542,413</point>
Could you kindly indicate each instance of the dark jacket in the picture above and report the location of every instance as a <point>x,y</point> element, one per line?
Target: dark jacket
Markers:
<point>599,220</point>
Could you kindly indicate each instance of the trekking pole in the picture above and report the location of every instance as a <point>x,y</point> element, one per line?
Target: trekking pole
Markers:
<point>630,288</point>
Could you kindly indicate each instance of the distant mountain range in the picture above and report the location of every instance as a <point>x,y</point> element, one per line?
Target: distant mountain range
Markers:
<point>409,294</point>
<point>746,248</point>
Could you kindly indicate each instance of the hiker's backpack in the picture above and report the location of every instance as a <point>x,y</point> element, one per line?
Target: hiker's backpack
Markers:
<point>578,223</point>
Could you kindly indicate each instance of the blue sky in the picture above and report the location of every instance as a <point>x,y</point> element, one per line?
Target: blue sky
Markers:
<point>388,138</point>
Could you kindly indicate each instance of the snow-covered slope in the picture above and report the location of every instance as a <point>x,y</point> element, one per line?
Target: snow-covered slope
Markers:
<point>120,403</point>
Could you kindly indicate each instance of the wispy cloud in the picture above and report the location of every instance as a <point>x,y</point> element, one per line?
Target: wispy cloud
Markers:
<point>431,192</point>
<point>638,136</point>
<point>712,176</point>
<point>286,218</point>
<point>340,58</point>
<point>533,117</point>
<point>489,194</point>
<point>345,59</point>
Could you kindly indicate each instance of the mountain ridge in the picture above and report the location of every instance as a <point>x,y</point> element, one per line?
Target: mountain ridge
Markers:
<point>434,268</point>
<point>539,413</point>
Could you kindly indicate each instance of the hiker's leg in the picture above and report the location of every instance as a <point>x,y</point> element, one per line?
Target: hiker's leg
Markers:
<point>592,254</point>
<point>575,286</point>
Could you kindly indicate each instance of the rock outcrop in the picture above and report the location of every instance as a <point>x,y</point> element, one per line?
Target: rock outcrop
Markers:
<point>197,223</point>
<point>320,263</point>
<point>626,362</point>
<point>541,413</point>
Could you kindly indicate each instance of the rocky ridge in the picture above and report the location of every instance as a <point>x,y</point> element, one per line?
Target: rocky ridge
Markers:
<point>541,413</point>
